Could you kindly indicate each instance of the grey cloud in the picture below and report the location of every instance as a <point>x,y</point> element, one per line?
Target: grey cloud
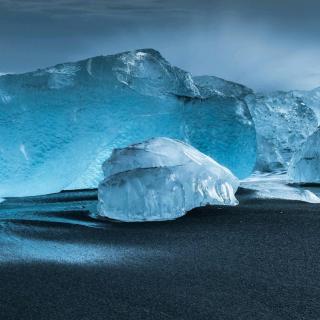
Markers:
<point>83,7</point>
<point>264,44</point>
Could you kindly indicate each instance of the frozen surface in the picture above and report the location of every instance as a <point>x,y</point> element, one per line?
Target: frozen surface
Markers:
<point>283,122</point>
<point>275,186</point>
<point>305,164</point>
<point>57,125</point>
<point>162,179</point>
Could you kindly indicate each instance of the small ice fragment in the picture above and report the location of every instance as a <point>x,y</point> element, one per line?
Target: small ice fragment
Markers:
<point>274,186</point>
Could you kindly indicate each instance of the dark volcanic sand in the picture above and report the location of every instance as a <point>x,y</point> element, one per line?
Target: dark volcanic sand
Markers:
<point>260,260</point>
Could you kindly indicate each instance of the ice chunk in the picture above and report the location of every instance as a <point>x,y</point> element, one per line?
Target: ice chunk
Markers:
<point>275,186</point>
<point>283,122</point>
<point>305,164</point>
<point>162,179</point>
<point>59,124</point>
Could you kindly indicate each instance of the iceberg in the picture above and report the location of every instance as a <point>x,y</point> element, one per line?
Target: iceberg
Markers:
<point>283,122</point>
<point>305,164</point>
<point>162,179</point>
<point>59,124</point>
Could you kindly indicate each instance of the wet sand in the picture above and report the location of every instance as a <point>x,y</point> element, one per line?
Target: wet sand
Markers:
<point>260,260</point>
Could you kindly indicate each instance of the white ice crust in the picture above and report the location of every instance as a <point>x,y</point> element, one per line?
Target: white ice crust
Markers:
<point>162,179</point>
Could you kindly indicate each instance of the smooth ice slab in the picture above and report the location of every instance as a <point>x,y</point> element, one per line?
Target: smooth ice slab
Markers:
<point>59,124</point>
<point>305,164</point>
<point>162,179</point>
<point>283,122</point>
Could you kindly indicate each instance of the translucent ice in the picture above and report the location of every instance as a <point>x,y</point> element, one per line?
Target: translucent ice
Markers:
<point>57,125</point>
<point>162,179</point>
<point>283,122</point>
<point>229,135</point>
<point>305,164</point>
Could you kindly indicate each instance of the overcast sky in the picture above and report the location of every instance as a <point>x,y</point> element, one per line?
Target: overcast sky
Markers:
<point>265,44</point>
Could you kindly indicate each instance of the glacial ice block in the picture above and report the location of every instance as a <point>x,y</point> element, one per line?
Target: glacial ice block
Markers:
<point>305,164</point>
<point>283,122</point>
<point>57,125</point>
<point>162,179</point>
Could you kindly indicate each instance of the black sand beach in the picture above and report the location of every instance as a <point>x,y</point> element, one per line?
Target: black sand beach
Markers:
<point>260,260</point>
